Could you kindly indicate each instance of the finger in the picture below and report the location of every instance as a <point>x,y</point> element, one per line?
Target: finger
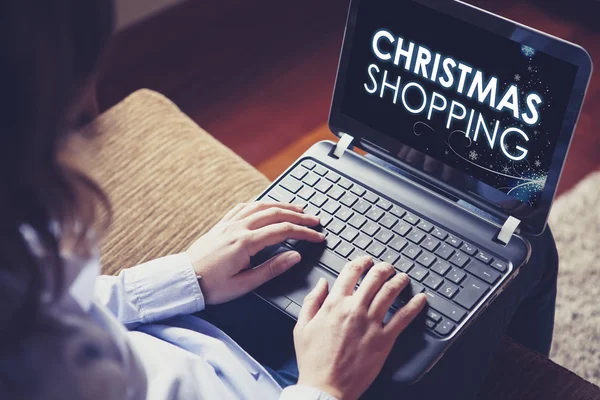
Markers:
<point>387,295</point>
<point>312,303</point>
<point>373,282</point>
<point>276,215</point>
<point>405,315</point>
<point>233,211</point>
<point>351,273</point>
<point>257,206</point>
<point>249,280</point>
<point>269,235</point>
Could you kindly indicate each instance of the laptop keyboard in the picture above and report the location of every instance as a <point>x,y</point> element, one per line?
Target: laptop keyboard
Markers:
<point>453,274</point>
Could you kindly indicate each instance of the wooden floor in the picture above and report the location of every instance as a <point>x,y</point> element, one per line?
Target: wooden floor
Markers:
<point>259,75</point>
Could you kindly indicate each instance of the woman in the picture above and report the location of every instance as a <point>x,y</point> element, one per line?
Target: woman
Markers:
<point>66,333</point>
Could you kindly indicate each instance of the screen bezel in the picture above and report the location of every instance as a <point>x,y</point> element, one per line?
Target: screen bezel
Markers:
<point>376,142</point>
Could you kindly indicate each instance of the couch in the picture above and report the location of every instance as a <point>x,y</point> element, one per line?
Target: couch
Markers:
<point>169,181</point>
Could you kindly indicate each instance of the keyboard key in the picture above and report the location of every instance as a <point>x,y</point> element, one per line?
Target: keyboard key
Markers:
<point>430,243</point>
<point>499,265</point>
<point>357,221</point>
<point>433,315</point>
<point>383,203</point>
<point>282,196</point>
<point>318,199</point>
<point>336,193</point>
<point>456,275</point>
<point>437,302</point>
<point>440,234</point>
<point>445,251</point>
<point>459,259</point>
<point>299,202</point>
<point>361,206</point>
<point>384,236</point>
<point>331,207</point>
<point>332,241</point>
<point>336,226</point>
<point>357,190</point>
<point>448,290</point>
<point>412,219</point>
<point>484,272</point>
<point>311,179</point>
<point>416,236</point>
<point>370,228</point>
<point>299,173</point>
<point>374,213</point>
<point>349,200</point>
<point>444,328</point>
<point>469,249</point>
<point>471,293</point>
<point>376,249</point>
<point>371,197</point>
<point>418,273</point>
<point>397,243</point>
<point>484,257</point>
<point>388,221</point>
<point>402,228</point>
<point>426,259</point>
<point>311,210</point>
<point>306,193</point>
<point>411,251</point>
<point>441,267</point>
<point>349,234</point>
<point>362,241</point>
<point>390,256</point>
<point>344,213</point>
<point>323,186</point>
<point>325,219</point>
<point>344,249</point>
<point>333,177</point>
<point>454,241</point>
<point>398,211</point>
<point>429,324</point>
<point>321,170</point>
<point>410,291</point>
<point>426,226</point>
<point>404,265</point>
<point>356,254</point>
<point>346,184</point>
<point>433,281</point>
<point>309,164</point>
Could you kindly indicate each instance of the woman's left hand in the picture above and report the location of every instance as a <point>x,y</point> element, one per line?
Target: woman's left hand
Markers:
<point>221,257</point>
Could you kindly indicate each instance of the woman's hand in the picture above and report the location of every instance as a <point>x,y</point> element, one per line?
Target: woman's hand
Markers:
<point>341,342</point>
<point>222,256</point>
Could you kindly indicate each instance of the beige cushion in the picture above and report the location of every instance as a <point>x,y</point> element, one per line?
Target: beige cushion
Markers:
<point>168,180</point>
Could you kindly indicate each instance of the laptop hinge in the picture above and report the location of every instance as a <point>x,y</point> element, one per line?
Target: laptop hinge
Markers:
<point>508,230</point>
<point>341,146</point>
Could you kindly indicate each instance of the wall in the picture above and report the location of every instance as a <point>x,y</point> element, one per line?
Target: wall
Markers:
<point>131,11</point>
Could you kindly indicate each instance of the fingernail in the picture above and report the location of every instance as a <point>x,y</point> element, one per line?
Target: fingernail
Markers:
<point>322,236</point>
<point>292,259</point>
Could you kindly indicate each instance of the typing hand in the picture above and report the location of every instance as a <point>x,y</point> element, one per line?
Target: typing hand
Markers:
<point>341,342</point>
<point>222,257</point>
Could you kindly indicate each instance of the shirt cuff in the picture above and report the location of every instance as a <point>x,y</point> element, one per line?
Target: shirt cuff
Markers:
<point>300,392</point>
<point>165,287</point>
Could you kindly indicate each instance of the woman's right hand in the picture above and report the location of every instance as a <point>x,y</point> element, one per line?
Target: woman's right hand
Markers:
<point>340,339</point>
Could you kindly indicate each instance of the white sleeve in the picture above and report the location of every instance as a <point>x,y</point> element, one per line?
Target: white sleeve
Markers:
<point>300,392</point>
<point>153,291</point>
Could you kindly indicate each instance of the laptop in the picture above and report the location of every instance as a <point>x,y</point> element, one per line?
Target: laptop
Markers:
<point>467,118</point>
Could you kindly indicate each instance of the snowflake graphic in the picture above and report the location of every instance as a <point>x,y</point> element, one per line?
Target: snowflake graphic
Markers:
<point>527,51</point>
<point>517,77</point>
<point>446,152</point>
<point>536,132</point>
<point>530,68</point>
<point>473,156</point>
<point>537,163</point>
<point>506,169</point>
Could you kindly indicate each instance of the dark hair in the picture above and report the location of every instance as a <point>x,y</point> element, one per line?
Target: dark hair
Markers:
<point>49,50</point>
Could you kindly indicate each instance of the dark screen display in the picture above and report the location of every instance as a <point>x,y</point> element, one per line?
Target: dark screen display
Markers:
<point>467,99</point>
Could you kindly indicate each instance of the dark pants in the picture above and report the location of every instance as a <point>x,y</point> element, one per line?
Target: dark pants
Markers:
<point>524,311</point>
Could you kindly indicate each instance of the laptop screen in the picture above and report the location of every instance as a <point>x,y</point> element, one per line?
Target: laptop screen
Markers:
<point>476,109</point>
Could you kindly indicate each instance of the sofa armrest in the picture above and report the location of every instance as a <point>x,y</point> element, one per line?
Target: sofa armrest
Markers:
<point>167,179</point>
